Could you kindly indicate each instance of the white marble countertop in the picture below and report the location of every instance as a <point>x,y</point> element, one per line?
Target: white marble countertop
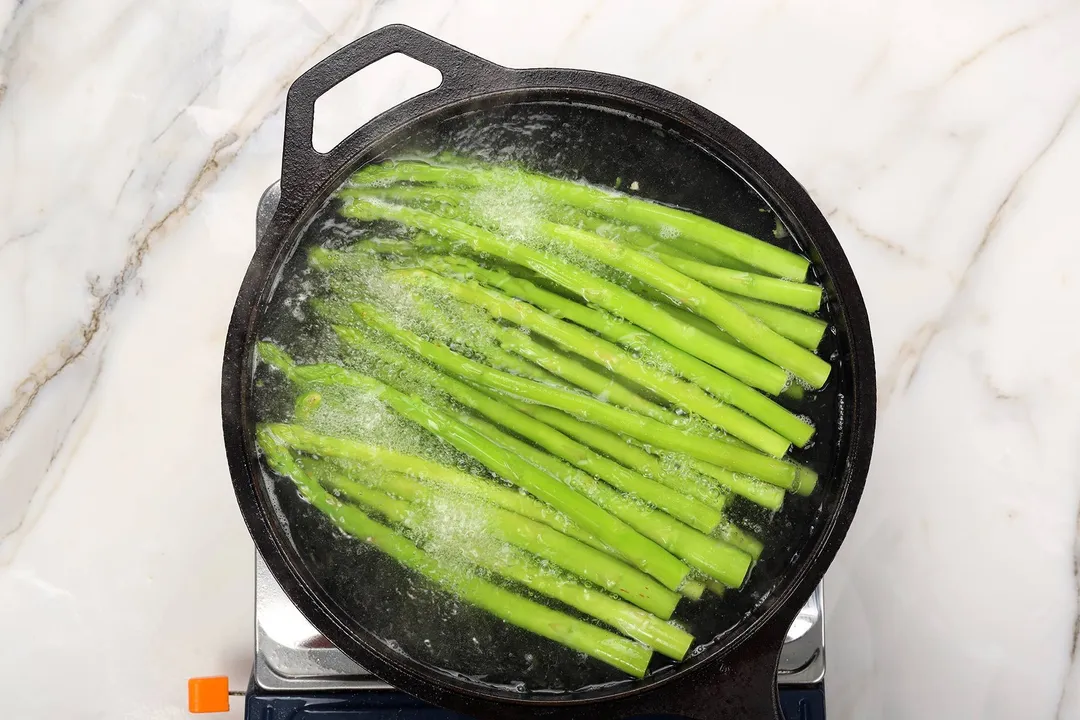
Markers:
<point>942,139</point>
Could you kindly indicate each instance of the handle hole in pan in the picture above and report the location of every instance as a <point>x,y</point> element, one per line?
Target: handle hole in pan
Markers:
<point>367,93</point>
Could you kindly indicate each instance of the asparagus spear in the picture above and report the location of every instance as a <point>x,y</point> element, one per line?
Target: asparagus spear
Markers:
<point>744,365</point>
<point>626,334</point>
<point>634,457</point>
<point>590,409</point>
<point>531,360</point>
<point>642,552</point>
<point>802,329</point>
<point>686,395</point>
<point>734,535</point>
<point>662,637</point>
<point>699,298</point>
<point>595,566</point>
<point>805,330</point>
<point>515,565</point>
<point>717,560</point>
<point>436,198</point>
<point>764,494</point>
<point>801,296</point>
<point>500,357</point>
<point>305,406</point>
<point>799,328</point>
<point>682,507</point>
<point>596,642</point>
<point>677,246</point>
<point>690,479</point>
<point>634,211</point>
<point>721,276</point>
<point>448,478</point>
<point>626,453</point>
<point>581,375</point>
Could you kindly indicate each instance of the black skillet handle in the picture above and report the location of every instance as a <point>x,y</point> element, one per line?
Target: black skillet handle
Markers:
<point>304,169</point>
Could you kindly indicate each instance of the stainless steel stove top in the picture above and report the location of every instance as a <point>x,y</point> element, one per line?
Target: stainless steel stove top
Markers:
<point>291,655</point>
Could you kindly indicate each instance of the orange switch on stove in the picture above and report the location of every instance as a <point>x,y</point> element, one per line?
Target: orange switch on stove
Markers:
<point>208,694</point>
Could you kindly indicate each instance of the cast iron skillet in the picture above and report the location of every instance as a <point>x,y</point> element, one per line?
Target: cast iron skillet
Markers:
<point>734,677</point>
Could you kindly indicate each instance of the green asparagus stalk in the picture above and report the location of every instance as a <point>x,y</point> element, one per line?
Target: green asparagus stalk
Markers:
<point>682,507</point>
<point>643,553</point>
<point>359,254</point>
<point>720,276</point>
<point>516,565</point>
<point>795,326</point>
<point>698,297</point>
<point>761,493</point>
<point>626,453</point>
<point>623,333</point>
<point>659,219</point>
<point>744,365</point>
<point>644,627</point>
<point>596,642</point>
<point>677,246</point>
<point>450,479</point>
<point>574,338</point>
<point>802,329</point>
<point>634,457</point>
<point>715,559</point>
<point>439,199</point>
<point>799,328</point>
<point>502,358</point>
<point>801,296</point>
<point>581,375</point>
<point>587,408</point>
<point>352,454</point>
<point>595,566</point>
<point>688,480</point>
<point>734,535</point>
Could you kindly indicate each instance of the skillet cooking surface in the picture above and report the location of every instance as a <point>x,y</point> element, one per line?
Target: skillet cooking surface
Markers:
<point>596,145</point>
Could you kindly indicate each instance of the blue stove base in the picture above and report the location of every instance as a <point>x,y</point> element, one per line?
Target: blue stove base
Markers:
<point>798,703</point>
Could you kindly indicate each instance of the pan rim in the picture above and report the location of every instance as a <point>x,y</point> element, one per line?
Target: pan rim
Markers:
<point>761,171</point>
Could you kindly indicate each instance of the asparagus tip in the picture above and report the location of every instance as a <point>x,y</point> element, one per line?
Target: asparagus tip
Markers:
<point>320,258</point>
<point>306,405</point>
<point>274,356</point>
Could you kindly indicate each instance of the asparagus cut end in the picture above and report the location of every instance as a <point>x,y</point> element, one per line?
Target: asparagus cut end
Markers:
<point>692,589</point>
<point>716,588</point>
<point>734,535</point>
<point>805,480</point>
